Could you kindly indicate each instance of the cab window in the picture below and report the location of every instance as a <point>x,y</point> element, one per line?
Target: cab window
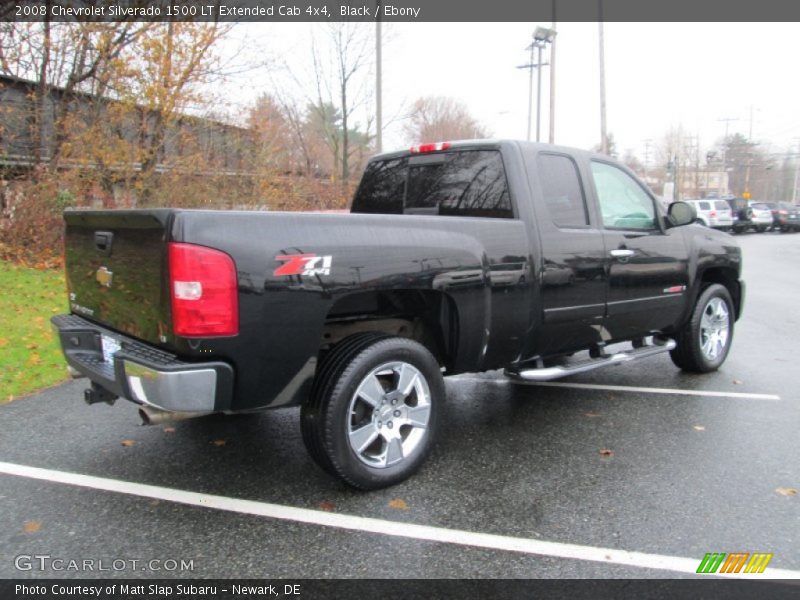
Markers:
<point>623,202</point>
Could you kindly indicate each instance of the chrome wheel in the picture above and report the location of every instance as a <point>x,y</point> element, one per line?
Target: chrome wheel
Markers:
<point>714,328</point>
<point>389,414</point>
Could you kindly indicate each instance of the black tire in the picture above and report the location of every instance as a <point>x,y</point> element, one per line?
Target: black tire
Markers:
<point>327,419</point>
<point>689,354</point>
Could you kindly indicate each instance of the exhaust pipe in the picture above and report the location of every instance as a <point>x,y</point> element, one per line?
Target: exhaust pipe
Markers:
<point>156,416</point>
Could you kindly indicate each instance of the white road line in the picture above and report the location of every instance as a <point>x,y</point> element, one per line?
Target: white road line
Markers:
<point>379,526</point>
<point>626,388</point>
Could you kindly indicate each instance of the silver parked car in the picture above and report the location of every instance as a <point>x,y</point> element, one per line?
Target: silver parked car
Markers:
<point>713,213</point>
<point>762,215</point>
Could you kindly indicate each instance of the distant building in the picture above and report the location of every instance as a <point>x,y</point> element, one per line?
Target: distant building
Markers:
<point>219,147</point>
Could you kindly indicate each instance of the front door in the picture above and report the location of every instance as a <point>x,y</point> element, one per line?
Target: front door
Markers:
<point>647,265</point>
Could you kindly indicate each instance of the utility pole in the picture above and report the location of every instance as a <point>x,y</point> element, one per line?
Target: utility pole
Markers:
<point>530,66</point>
<point>750,145</point>
<point>723,175</point>
<point>539,93</point>
<point>552,137</point>
<point>378,87</point>
<point>603,132</point>
<point>796,175</point>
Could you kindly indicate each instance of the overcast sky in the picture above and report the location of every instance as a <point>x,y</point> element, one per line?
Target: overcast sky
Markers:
<point>658,75</point>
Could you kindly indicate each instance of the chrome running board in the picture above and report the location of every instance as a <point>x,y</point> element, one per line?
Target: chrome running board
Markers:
<point>533,374</point>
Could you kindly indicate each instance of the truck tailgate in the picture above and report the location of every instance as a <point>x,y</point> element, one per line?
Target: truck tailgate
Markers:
<point>116,265</point>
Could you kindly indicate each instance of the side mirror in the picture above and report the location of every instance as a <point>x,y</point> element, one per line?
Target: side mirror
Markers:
<point>681,213</point>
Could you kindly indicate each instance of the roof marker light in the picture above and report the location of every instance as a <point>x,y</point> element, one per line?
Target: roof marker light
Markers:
<point>434,147</point>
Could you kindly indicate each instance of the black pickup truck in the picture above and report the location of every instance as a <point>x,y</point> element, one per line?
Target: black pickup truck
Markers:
<point>541,260</point>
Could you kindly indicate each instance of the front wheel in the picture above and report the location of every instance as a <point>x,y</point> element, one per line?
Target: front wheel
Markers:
<point>703,343</point>
<point>373,414</point>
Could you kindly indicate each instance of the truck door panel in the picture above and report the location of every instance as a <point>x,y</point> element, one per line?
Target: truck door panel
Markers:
<point>647,266</point>
<point>572,275</point>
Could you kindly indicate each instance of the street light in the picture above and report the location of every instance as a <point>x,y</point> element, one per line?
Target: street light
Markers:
<point>541,37</point>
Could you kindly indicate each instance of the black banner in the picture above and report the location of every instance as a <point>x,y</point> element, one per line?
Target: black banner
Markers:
<point>399,589</point>
<point>401,10</point>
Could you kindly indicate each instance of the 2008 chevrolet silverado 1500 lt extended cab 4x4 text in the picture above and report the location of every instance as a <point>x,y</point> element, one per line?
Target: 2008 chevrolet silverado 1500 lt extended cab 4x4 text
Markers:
<point>454,258</point>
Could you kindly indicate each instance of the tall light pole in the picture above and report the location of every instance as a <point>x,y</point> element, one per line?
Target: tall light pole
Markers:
<point>541,37</point>
<point>378,90</point>
<point>603,131</point>
<point>552,121</point>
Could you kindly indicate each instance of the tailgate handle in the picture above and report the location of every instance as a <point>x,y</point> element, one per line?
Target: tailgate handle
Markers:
<point>103,241</point>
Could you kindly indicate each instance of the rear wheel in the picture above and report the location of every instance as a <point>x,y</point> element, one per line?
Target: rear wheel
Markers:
<point>374,410</point>
<point>704,342</point>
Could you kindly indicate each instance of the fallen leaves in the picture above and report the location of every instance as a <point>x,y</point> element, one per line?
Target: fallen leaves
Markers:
<point>127,443</point>
<point>606,453</point>
<point>169,430</point>
<point>218,443</point>
<point>786,491</point>
<point>592,414</point>
<point>398,504</point>
<point>31,526</point>
<point>327,506</point>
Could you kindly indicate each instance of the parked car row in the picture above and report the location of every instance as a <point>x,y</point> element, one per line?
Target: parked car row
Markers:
<point>739,215</point>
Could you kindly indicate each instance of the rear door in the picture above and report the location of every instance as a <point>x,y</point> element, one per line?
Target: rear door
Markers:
<point>116,270</point>
<point>572,269</point>
<point>647,266</point>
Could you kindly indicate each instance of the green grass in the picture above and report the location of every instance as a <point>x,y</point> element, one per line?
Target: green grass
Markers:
<point>30,357</point>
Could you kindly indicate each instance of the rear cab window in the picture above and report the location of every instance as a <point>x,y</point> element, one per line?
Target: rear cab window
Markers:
<point>465,183</point>
<point>562,191</point>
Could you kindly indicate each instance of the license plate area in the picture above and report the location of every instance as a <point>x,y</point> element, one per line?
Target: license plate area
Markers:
<point>110,347</point>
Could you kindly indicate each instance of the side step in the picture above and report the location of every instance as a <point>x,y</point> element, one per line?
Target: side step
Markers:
<point>603,360</point>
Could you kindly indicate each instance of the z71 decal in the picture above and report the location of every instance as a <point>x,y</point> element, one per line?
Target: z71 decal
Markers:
<point>303,264</point>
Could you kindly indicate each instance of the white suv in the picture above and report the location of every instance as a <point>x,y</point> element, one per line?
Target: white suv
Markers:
<point>713,213</point>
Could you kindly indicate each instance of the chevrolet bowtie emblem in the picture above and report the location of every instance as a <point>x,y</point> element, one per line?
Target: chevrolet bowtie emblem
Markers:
<point>104,276</point>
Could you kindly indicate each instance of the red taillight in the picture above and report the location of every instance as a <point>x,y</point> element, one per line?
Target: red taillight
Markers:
<point>713,213</point>
<point>423,148</point>
<point>203,289</point>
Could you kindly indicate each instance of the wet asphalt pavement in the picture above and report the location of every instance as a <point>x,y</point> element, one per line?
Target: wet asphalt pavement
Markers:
<point>688,475</point>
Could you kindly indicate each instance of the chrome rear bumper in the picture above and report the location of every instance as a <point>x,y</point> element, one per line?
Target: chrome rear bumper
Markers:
<point>142,373</point>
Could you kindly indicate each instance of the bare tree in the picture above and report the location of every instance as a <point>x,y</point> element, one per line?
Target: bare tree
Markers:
<point>73,57</point>
<point>340,62</point>
<point>436,118</point>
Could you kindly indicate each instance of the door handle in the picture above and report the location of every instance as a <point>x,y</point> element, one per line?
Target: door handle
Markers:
<point>622,253</point>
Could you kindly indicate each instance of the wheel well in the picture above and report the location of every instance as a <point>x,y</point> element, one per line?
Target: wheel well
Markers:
<point>728,278</point>
<point>426,316</point>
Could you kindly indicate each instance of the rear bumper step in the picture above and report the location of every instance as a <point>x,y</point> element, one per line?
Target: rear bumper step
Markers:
<point>141,373</point>
<point>534,374</point>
